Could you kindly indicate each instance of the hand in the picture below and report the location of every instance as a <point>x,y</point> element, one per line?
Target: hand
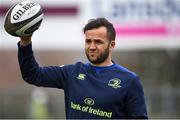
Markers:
<point>25,40</point>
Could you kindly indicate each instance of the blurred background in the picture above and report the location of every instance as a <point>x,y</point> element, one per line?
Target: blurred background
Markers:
<point>148,43</point>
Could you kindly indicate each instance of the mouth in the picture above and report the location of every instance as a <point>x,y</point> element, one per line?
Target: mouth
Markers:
<point>92,53</point>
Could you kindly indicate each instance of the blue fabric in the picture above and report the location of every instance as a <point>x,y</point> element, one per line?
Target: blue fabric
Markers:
<point>90,92</point>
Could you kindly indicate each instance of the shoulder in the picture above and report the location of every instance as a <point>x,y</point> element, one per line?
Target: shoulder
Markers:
<point>127,75</point>
<point>125,71</point>
<point>132,78</point>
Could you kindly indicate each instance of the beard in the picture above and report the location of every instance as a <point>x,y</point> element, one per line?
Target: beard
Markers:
<point>100,58</point>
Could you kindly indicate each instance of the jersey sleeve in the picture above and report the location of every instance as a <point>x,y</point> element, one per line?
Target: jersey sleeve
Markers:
<point>135,101</point>
<point>50,76</point>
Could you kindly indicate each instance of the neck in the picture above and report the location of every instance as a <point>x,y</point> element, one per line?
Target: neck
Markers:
<point>105,63</point>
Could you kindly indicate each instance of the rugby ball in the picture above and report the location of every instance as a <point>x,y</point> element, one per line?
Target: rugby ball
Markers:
<point>23,18</point>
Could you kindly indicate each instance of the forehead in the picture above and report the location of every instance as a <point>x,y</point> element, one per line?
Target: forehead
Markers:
<point>100,32</point>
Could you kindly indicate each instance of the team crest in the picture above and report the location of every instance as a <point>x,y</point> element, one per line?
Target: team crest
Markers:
<point>115,83</point>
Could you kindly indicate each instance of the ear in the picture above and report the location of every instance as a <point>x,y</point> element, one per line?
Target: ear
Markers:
<point>112,44</point>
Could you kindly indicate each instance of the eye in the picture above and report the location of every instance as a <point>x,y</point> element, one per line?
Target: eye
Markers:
<point>98,41</point>
<point>88,41</point>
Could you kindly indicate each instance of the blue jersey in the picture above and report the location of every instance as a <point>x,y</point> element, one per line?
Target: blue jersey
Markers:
<point>90,92</point>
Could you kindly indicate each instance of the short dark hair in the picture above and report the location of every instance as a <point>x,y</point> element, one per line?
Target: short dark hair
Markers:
<point>99,22</point>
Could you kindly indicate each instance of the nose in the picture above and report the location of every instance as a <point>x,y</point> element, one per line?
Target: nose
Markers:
<point>92,46</point>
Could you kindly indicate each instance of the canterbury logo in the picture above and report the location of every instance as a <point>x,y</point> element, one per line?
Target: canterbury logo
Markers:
<point>81,76</point>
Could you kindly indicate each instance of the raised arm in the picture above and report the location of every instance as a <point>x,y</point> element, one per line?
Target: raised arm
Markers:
<point>51,76</point>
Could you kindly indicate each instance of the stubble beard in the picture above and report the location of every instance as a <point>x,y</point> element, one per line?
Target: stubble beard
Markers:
<point>100,58</point>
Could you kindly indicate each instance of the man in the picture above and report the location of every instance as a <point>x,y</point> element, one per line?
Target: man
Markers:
<point>99,89</point>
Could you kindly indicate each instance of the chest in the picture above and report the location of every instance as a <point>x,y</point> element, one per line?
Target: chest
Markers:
<point>99,89</point>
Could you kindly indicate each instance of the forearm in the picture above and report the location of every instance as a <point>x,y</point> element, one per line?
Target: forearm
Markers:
<point>28,65</point>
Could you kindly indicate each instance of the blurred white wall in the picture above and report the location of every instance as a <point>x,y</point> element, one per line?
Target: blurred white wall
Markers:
<point>65,31</point>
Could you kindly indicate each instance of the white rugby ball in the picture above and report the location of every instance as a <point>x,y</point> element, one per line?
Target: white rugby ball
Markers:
<point>23,18</point>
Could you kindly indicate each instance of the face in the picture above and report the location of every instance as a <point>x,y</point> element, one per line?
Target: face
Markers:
<point>97,45</point>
